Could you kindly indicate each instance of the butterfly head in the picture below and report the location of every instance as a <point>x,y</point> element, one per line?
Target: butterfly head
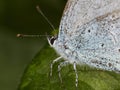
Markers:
<point>51,39</point>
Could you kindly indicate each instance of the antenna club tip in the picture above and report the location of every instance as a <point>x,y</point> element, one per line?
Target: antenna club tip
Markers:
<point>19,35</point>
<point>37,6</point>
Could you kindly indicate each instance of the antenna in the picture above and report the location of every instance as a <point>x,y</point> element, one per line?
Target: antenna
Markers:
<point>40,11</point>
<point>25,35</point>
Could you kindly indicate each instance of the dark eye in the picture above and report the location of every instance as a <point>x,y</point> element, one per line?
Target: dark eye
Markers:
<point>52,40</point>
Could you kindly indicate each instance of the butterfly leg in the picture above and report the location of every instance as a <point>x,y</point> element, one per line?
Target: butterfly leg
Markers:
<point>75,69</point>
<point>51,66</point>
<point>62,64</point>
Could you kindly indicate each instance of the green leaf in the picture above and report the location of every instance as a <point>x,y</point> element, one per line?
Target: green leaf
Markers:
<point>36,76</point>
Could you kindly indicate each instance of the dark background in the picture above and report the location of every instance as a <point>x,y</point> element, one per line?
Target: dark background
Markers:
<point>21,16</point>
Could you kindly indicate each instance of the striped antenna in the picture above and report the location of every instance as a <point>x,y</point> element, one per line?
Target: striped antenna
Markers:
<point>40,11</point>
<point>24,35</point>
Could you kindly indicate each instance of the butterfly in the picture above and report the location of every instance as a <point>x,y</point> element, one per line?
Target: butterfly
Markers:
<point>89,33</point>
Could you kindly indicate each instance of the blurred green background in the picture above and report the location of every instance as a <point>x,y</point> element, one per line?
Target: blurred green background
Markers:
<point>21,16</point>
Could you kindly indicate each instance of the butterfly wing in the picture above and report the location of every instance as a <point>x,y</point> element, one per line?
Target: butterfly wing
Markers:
<point>79,12</point>
<point>90,30</point>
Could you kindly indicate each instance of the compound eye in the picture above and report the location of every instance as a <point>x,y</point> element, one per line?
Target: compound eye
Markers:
<point>52,40</point>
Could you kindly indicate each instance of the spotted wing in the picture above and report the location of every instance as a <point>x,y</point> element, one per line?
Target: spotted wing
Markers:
<point>79,12</point>
<point>90,30</point>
